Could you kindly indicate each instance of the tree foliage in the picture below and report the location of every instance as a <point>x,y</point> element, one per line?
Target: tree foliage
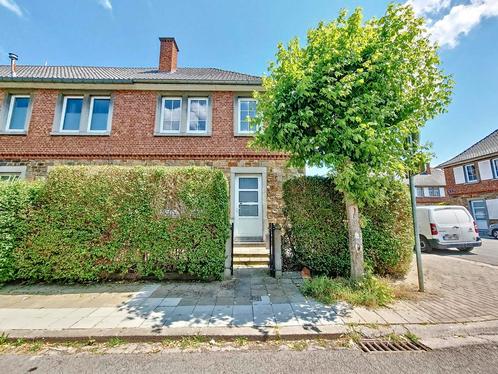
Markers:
<point>351,98</point>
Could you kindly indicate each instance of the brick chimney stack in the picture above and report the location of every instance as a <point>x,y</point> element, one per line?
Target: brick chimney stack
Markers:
<point>168,55</point>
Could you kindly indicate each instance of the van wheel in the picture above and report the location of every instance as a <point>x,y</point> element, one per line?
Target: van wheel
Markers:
<point>495,234</point>
<point>424,245</point>
<point>465,249</point>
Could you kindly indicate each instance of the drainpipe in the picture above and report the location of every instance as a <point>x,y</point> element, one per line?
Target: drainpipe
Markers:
<point>13,58</point>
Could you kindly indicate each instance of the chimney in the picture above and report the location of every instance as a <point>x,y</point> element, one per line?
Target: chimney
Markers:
<point>428,168</point>
<point>168,55</point>
<point>13,58</point>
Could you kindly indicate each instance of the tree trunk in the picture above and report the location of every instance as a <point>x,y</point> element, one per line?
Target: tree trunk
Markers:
<point>355,240</point>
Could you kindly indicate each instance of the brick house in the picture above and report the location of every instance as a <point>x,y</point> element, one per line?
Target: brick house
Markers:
<point>472,180</point>
<point>164,115</point>
<point>430,186</point>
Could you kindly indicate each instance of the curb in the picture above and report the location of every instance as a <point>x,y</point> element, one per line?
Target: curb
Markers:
<point>146,335</point>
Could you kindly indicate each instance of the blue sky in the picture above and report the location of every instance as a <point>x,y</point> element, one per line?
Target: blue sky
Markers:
<point>242,35</point>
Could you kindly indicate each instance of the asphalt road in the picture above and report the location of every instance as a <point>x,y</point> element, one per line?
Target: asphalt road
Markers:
<point>470,359</point>
<point>487,253</point>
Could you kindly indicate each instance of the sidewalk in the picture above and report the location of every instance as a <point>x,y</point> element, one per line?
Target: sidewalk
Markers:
<point>255,305</point>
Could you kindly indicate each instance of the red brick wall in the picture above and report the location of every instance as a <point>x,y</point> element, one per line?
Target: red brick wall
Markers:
<point>432,200</point>
<point>132,133</point>
<point>468,189</point>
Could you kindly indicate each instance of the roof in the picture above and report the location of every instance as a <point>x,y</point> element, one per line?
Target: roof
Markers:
<point>435,178</point>
<point>484,147</point>
<point>94,74</point>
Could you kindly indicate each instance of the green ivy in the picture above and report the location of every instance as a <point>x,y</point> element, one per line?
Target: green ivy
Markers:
<point>97,223</point>
<point>316,228</point>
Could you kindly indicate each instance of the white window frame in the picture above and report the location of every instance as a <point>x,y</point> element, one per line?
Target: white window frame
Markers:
<point>90,114</point>
<point>421,189</point>
<point>63,114</point>
<point>161,130</point>
<point>207,115</point>
<point>14,170</point>
<point>238,115</point>
<point>11,109</point>
<point>467,180</point>
<point>434,189</point>
<point>494,167</point>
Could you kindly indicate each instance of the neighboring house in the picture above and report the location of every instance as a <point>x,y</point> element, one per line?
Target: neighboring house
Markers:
<point>472,180</point>
<point>430,186</point>
<point>164,115</point>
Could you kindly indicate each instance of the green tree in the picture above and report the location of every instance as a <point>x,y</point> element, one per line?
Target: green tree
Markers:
<point>350,99</point>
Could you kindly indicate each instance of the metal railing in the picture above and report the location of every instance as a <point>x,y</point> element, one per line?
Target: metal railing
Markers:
<point>231,246</point>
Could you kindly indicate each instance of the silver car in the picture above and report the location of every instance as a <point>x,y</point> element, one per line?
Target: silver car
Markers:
<point>493,230</point>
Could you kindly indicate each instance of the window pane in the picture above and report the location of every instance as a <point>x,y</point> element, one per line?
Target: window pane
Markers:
<point>73,114</point>
<point>198,115</point>
<point>248,196</point>
<point>420,192</point>
<point>247,110</point>
<point>9,177</point>
<point>100,114</point>
<point>172,114</point>
<point>471,173</point>
<point>434,191</point>
<point>248,211</point>
<point>248,183</point>
<point>19,113</point>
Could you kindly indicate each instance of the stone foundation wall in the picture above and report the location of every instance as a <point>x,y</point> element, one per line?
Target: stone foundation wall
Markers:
<point>277,173</point>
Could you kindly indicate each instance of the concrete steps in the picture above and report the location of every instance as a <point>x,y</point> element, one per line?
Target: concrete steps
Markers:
<point>250,254</point>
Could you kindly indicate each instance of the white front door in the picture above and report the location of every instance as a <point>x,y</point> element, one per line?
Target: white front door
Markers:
<point>248,222</point>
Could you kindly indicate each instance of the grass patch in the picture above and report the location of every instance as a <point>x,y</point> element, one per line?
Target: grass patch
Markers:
<point>114,342</point>
<point>241,341</point>
<point>412,337</point>
<point>371,292</point>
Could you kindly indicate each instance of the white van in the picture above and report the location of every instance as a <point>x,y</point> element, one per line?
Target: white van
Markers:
<point>449,226</point>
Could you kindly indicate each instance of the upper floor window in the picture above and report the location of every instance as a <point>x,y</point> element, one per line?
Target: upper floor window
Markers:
<point>171,114</point>
<point>470,173</point>
<point>434,192</point>
<point>71,113</point>
<point>18,113</point>
<point>99,113</point>
<point>197,115</point>
<point>247,111</point>
<point>420,192</point>
<point>494,166</point>
<point>84,115</point>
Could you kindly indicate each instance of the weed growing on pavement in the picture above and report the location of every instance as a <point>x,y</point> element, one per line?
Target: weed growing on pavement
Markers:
<point>4,338</point>
<point>371,291</point>
<point>35,346</point>
<point>412,337</point>
<point>299,345</point>
<point>114,342</point>
<point>241,341</point>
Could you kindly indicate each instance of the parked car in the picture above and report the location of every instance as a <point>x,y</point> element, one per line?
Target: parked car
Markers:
<point>442,227</point>
<point>493,230</point>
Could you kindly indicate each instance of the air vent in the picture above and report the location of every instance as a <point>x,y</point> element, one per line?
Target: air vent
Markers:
<point>373,345</point>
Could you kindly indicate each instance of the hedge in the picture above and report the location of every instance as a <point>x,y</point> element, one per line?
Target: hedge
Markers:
<point>103,222</point>
<point>16,200</point>
<point>317,236</point>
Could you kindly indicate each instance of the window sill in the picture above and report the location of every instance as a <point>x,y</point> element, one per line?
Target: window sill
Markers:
<point>244,135</point>
<point>184,134</point>
<point>13,132</point>
<point>80,134</point>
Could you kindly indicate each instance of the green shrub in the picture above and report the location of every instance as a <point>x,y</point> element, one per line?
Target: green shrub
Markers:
<point>16,200</point>
<point>317,236</point>
<point>95,223</point>
<point>370,291</point>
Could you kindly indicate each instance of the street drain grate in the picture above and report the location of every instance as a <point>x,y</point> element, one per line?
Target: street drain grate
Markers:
<point>373,345</point>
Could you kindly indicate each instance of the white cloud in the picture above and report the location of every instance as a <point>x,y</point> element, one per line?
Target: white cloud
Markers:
<point>458,21</point>
<point>423,7</point>
<point>106,4</point>
<point>461,20</point>
<point>12,6</point>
